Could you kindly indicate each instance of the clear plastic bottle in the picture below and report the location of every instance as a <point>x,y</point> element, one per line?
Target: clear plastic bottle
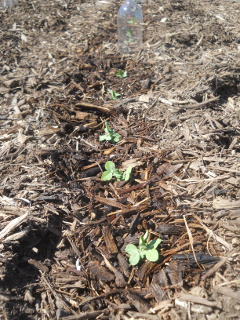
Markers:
<point>8,3</point>
<point>130,27</point>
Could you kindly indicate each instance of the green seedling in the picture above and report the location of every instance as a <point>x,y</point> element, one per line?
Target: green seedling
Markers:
<point>113,172</point>
<point>109,135</point>
<point>146,250</point>
<point>114,94</point>
<point>132,21</point>
<point>121,74</point>
<point>129,33</point>
<point>129,36</point>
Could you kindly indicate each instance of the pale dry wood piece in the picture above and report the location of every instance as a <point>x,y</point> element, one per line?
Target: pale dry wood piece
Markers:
<point>231,226</point>
<point>125,101</point>
<point>199,105</point>
<point>85,316</point>
<point>202,180</point>
<point>12,225</point>
<point>218,265</point>
<point>13,155</point>
<point>161,306</point>
<point>220,203</point>
<point>195,299</point>
<point>110,202</point>
<point>18,235</point>
<point>212,234</point>
<point>108,110</point>
<point>168,169</point>
<point>38,265</point>
<point>212,121</point>
<point>138,315</point>
<point>191,240</point>
<point>228,292</point>
<point>225,169</point>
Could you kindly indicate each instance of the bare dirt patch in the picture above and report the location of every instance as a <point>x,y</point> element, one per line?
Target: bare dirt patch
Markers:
<point>64,230</point>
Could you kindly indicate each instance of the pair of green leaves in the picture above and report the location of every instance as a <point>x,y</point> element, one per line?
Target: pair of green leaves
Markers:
<point>109,135</point>
<point>114,95</point>
<point>113,172</point>
<point>146,250</point>
<point>121,74</point>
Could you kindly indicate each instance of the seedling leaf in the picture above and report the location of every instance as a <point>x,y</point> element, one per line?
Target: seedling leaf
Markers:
<point>110,166</point>
<point>110,135</point>
<point>132,20</point>
<point>133,251</point>
<point>127,174</point>
<point>142,242</point>
<point>106,176</point>
<point>153,244</point>
<point>134,259</point>
<point>152,255</point>
<point>113,94</point>
<point>118,175</point>
<point>112,171</point>
<point>145,249</point>
<point>121,74</point>
<point>104,137</point>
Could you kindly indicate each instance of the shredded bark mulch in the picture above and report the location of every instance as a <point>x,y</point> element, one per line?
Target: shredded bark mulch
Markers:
<point>63,230</point>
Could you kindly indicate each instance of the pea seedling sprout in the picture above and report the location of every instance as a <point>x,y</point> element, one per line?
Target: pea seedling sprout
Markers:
<point>146,250</point>
<point>113,172</point>
<point>121,74</point>
<point>109,135</point>
<point>114,95</point>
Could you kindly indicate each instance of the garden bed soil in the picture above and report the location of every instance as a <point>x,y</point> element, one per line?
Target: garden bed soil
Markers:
<point>63,230</point>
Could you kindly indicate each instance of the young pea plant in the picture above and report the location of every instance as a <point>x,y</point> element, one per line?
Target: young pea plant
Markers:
<point>121,74</point>
<point>114,95</point>
<point>109,135</point>
<point>129,35</point>
<point>146,250</point>
<point>113,172</point>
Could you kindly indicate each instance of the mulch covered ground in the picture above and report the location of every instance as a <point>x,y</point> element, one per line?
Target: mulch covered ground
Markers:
<point>63,230</point>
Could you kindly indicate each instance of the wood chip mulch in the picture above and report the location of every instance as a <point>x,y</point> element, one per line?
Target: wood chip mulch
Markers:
<point>63,230</point>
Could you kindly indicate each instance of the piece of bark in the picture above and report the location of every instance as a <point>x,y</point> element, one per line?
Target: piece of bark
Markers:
<point>169,229</point>
<point>109,240</point>
<point>12,225</point>
<point>196,299</point>
<point>119,280</point>
<point>174,272</point>
<point>139,303</point>
<point>110,202</point>
<point>145,269</point>
<point>156,288</point>
<point>107,110</point>
<point>100,272</point>
<point>168,169</point>
<point>123,264</point>
<point>228,292</point>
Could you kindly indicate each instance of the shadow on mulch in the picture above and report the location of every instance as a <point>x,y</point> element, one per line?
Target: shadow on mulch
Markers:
<point>32,255</point>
